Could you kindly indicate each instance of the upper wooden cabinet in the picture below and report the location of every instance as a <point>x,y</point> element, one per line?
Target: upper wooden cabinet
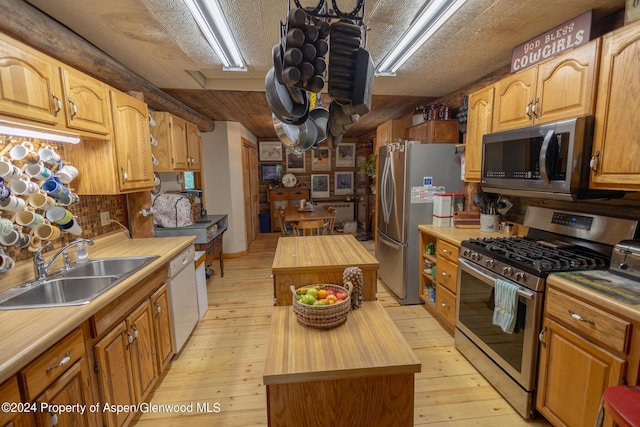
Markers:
<point>435,131</point>
<point>479,123</point>
<point>391,131</point>
<point>86,102</point>
<point>561,87</point>
<point>616,150</point>
<point>29,84</point>
<point>123,164</point>
<point>194,150</point>
<point>178,147</point>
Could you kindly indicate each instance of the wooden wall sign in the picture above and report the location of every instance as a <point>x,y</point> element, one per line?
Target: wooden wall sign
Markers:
<point>572,33</point>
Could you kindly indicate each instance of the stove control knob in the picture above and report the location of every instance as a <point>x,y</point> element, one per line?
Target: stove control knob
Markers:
<point>475,256</point>
<point>490,263</point>
<point>521,276</point>
<point>623,265</point>
<point>466,253</point>
<point>507,271</point>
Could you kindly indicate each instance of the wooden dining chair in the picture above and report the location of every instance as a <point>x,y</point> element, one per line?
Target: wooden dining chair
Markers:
<point>331,222</point>
<point>316,227</point>
<point>286,229</point>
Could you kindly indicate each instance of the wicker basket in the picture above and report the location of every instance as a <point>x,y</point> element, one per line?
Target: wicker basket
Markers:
<point>323,316</point>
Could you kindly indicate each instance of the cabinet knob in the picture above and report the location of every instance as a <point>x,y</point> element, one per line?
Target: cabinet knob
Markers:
<point>62,362</point>
<point>74,108</point>
<point>57,103</point>
<point>593,164</point>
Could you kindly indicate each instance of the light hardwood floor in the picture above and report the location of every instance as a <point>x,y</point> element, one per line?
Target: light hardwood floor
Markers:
<point>222,362</point>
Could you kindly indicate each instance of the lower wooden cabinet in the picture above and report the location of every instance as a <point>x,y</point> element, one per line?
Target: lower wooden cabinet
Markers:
<point>126,362</point>
<point>10,392</point>
<point>162,327</point>
<point>575,367</point>
<point>438,278</point>
<point>72,388</point>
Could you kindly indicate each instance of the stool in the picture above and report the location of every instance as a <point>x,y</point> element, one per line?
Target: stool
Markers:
<point>622,403</point>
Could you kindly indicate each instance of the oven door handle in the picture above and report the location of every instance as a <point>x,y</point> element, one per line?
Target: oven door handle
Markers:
<point>469,268</point>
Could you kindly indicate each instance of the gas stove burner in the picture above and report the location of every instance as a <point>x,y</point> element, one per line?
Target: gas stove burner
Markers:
<point>536,256</point>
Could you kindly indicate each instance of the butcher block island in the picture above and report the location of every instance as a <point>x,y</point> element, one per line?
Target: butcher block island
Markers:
<point>362,371</point>
<point>299,261</point>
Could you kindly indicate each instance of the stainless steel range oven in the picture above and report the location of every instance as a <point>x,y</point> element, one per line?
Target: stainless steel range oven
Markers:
<point>556,241</point>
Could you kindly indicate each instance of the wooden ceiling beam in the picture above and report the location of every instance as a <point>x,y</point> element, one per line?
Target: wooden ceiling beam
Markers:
<point>33,27</point>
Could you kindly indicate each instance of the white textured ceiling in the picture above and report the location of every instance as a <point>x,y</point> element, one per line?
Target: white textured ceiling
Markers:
<point>159,40</point>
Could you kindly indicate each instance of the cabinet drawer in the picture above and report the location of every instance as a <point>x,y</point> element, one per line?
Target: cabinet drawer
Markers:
<point>447,251</point>
<point>447,274</point>
<point>606,328</point>
<point>446,304</point>
<point>43,371</point>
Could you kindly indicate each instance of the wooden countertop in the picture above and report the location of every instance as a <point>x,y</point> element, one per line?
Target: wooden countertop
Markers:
<point>367,344</point>
<point>455,235</point>
<point>25,334</point>
<point>319,253</point>
<point>564,282</point>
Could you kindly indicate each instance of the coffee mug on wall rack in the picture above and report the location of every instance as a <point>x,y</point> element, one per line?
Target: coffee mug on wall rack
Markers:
<point>24,153</point>
<point>8,170</point>
<point>16,238</point>
<point>49,155</point>
<point>5,191</point>
<point>24,186</point>
<point>6,262</point>
<point>38,171</point>
<point>13,204</point>
<point>67,173</point>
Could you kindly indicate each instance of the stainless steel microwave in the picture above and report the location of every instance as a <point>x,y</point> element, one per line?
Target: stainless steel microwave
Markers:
<point>549,160</point>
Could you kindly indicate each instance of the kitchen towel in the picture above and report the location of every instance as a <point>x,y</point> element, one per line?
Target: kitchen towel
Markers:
<point>506,305</point>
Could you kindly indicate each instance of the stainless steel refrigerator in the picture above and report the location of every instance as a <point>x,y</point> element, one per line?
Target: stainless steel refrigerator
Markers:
<point>403,168</point>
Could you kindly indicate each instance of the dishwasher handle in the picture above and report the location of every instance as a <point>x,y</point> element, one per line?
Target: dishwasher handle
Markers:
<point>177,264</point>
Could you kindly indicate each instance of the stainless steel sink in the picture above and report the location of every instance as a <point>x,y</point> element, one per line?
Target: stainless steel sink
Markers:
<point>61,292</point>
<point>108,267</point>
<point>78,285</point>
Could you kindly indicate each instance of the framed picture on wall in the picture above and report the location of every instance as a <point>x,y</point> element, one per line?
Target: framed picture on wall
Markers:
<point>346,155</point>
<point>295,161</point>
<point>343,183</point>
<point>321,159</point>
<point>270,172</point>
<point>319,186</point>
<point>270,151</point>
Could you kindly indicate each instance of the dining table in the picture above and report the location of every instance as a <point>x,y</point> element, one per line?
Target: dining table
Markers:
<point>294,214</point>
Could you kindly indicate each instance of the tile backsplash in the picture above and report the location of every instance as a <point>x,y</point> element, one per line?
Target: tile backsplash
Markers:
<point>87,213</point>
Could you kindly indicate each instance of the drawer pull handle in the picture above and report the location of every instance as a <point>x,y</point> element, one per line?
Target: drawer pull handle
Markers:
<point>129,338</point>
<point>158,308</point>
<point>135,331</point>
<point>74,109</point>
<point>62,362</point>
<point>446,251</point>
<point>541,336</point>
<point>443,304</point>
<point>57,104</point>
<point>54,418</point>
<point>445,274</point>
<point>580,318</point>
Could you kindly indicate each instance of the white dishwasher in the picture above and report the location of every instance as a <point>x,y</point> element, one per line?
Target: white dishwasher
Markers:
<point>181,280</point>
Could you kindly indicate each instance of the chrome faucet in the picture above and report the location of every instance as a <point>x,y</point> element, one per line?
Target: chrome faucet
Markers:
<point>41,267</point>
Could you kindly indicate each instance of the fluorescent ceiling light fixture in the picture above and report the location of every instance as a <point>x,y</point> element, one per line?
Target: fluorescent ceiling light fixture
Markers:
<point>26,131</point>
<point>209,17</point>
<point>428,22</point>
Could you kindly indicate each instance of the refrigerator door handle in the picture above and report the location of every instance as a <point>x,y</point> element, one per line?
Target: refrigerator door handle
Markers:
<point>390,244</point>
<point>387,186</point>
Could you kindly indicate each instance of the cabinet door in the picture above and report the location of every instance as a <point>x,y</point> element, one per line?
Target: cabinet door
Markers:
<point>479,123</point>
<point>132,143</point>
<point>514,99</point>
<point>9,392</point>
<point>29,84</point>
<point>179,143</point>
<point>566,84</point>
<point>193,147</point>
<point>571,396</point>
<point>617,130</point>
<point>162,327</point>
<point>71,388</point>
<point>115,373</point>
<point>87,102</point>
<point>143,350</point>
